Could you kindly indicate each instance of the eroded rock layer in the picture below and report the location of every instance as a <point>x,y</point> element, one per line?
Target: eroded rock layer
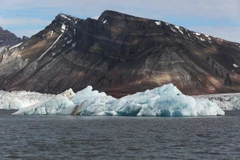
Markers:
<point>120,54</point>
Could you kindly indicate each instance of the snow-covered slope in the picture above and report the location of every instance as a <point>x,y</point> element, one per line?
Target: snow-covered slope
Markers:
<point>165,101</point>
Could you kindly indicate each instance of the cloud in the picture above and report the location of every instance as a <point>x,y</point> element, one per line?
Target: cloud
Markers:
<point>22,21</point>
<point>23,26</point>
<point>27,33</point>
<point>210,16</point>
<point>201,8</point>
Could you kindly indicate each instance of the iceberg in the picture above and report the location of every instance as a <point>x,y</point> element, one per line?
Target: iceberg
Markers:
<point>165,101</point>
<point>58,105</point>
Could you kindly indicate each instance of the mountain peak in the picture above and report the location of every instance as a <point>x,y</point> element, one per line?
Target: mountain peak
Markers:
<point>120,54</point>
<point>7,38</point>
<point>66,18</point>
<point>116,14</point>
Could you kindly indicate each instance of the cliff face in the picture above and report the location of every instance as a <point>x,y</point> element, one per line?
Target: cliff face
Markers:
<point>120,54</point>
<point>7,38</point>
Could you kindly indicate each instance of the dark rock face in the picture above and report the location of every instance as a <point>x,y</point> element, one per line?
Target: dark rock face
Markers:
<point>120,54</point>
<point>7,38</point>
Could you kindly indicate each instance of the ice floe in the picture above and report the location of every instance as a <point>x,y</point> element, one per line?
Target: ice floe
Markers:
<point>165,101</point>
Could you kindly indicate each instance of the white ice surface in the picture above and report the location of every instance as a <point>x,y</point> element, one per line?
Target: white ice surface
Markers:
<point>21,99</point>
<point>56,105</point>
<point>165,101</point>
<point>229,101</point>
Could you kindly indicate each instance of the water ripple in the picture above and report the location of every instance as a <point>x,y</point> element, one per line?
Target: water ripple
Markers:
<point>67,137</point>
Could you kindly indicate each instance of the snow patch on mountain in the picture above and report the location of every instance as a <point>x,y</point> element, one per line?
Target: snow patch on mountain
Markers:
<point>15,46</point>
<point>158,23</point>
<point>235,65</point>
<point>43,54</point>
<point>64,16</point>
<point>1,49</point>
<point>179,29</point>
<point>197,34</point>
<point>201,39</point>
<point>51,34</point>
<point>105,21</point>
<point>173,30</point>
<point>95,17</point>
<point>63,28</point>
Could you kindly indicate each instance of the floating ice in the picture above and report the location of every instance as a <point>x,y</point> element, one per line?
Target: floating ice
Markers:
<point>165,101</point>
<point>56,105</point>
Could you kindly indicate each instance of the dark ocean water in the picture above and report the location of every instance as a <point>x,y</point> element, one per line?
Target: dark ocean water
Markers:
<point>69,137</point>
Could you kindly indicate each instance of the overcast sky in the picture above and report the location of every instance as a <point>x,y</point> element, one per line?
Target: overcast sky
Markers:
<point>220,18</point>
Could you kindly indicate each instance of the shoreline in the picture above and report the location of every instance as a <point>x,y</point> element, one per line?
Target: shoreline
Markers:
<point>227,112</point>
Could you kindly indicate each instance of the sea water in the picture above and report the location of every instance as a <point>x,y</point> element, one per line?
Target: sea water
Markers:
<point>78,137</point>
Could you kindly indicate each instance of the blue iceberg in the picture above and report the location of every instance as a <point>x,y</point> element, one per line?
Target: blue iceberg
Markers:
<point>165,101</point>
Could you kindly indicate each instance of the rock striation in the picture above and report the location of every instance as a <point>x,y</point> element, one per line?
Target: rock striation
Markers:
<point>120,54</point>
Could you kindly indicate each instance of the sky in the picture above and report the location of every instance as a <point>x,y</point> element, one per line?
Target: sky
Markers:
<point>219,18</point>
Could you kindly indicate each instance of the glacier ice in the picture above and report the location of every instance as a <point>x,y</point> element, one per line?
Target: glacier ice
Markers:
<point>227,101</point>
<point>166,101</point>
<point>21,99</point>
<point>56,105</point>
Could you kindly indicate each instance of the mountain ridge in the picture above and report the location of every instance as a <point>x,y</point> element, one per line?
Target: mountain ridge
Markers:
<point>8,38</point>
<point>120,54</point>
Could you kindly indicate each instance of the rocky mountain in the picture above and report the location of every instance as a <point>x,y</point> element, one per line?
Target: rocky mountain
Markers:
<point>7,38</point>
<point>120,54</point>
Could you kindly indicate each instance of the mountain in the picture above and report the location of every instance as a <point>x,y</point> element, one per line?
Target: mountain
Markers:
<point>120,54</point>
<point>7,38</point>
